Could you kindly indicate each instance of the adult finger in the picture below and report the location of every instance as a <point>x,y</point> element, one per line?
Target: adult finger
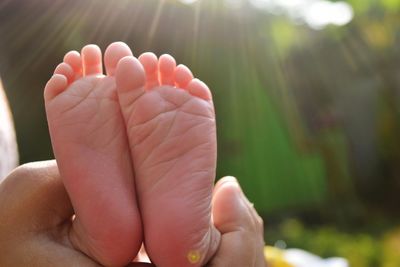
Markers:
<point>35,219</point>
<point>34,193</point>
<point>235,219</point>
<point>259,228</point>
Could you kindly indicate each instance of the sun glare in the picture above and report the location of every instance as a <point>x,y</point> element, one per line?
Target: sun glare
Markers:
<point>188,2</point>
<point>315,13</point>
<point>323,13</point>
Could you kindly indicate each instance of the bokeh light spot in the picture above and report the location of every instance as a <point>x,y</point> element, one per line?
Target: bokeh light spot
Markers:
<point>188,2</point>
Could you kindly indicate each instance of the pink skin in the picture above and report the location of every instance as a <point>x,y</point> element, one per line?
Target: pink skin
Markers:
<point>170,125</point>
<point>91,147</point>
<point>171,130</point>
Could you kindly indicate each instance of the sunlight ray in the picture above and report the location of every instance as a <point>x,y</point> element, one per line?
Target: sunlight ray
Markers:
<point>156,19</point>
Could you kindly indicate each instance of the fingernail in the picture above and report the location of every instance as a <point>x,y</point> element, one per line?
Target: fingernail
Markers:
<point>239,199</point>
<point>231,180</point>
<point>235,182</point>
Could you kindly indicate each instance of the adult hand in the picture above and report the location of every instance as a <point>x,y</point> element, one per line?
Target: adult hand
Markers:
<point>35,219</point>
<point>242,229</point>
<point>36,215</point>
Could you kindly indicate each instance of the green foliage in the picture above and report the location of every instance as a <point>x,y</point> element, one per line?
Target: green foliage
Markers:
<point>360,249</point>
<point>284,35</point>
<point>391,5</point>
<point>362,6</point>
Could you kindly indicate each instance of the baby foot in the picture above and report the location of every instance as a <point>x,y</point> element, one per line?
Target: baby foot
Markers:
<point>91,147</point>
<point>171,130</point>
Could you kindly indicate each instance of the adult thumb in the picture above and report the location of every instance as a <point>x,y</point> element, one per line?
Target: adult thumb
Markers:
<point>236,219</point>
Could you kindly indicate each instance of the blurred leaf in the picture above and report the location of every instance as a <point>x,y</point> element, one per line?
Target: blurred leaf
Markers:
<point>391,5</point>
<point>362,6</point>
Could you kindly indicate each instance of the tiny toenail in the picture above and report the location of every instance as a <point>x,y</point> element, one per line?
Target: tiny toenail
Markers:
<point>194,256</point>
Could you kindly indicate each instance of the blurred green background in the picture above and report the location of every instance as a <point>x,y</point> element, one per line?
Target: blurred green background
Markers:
<point>306,92</point>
